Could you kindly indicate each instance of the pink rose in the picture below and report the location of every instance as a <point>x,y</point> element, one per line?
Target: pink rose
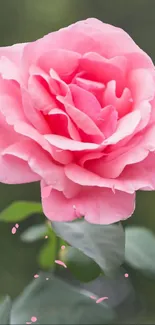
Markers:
<point>77,112</point>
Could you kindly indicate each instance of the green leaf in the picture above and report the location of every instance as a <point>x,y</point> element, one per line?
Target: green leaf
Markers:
<point>34,233</point>
<point>57,302</point>
<point>46,256</point>
<point>120,292</point>
<point>5,308</point>
<point>81,266</point>
<point>140,249</point>
<point>20,210</point>
<point>104,244</point>
<point>17,261</point>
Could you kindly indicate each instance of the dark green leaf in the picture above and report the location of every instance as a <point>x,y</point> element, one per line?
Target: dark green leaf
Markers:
<point>81,266</point>
<point>5,308</point>
<point>140,249</point>
<point>104,244</point>
<point>20,210</point>
<point>120,292</point>
<point>46,256</point>
<point>17,262</point>
<point>56,302</point>
<point>34,233</point>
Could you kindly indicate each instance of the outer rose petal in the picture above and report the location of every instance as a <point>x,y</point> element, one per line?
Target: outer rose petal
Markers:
<point>136,150</point>
<point>97,205</point>
<point>10,58</point>
<point>142,85</point>
<point>13,53</point>
<point>86,178</point>
<point>89,35</point>
<point>16,171</point>
<point>141,175</point>
<point>12,169</point>
<point>39,162</point>
<point>42,166</point>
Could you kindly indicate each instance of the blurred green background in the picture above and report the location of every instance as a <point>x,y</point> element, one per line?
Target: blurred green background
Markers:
<point>27,20</point>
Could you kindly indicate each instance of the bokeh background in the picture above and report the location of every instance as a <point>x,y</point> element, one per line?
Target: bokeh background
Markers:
<point>27,20</point>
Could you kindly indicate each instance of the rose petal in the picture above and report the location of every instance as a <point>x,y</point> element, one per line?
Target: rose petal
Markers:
<point>83,121</point>
<point>85,102</point>
<point>92,86</point>
<point>64,62</point>
<point>39,162</point>
<point>40,91</point>
<point>13,53</point>
<point>142,85</point>
<point>33,115</point>
<point>9,70</point>
<point>68,144</point>
<point>73,132</point>
<point>123,103</point>
<point>16,171</point>
<point>104,70</point>
<point>98,205</point>
<point>107,122</point>
<point>125,127</point>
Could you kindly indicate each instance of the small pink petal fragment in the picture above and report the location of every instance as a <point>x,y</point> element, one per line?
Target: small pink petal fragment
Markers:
<point>60,263</point>
<point>101,299</point>
<point>93,297</point>
<point>126,275</point>
<point>17,225</point>
<point>63,247</point>
<point>46,237</point>
<point>14,230</point>
<point>33,319</point>
<point>36,276</point>
<point>28,323</point>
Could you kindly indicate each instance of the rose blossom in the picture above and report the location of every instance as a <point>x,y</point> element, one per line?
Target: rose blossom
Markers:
<point>77,113</point>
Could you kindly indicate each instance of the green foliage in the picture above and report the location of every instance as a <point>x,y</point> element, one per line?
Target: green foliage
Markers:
<point>5,308</point>
<point>34,233</point>
<point>140,249</point>
<point>18,211</point>
<point>54,301</point>
<point>81,266</point>
<point>104,244</point>
<point>17,261</point>
<point>46,257</point>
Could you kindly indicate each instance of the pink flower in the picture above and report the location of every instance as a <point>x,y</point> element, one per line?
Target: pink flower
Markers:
<point>77,112</point>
